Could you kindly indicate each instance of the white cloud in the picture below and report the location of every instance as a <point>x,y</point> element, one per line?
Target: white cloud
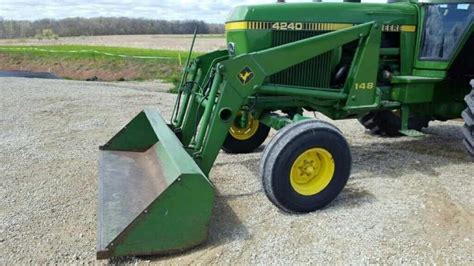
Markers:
<point>207,10</point>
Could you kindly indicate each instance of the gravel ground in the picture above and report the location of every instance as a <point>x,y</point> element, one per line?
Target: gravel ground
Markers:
<point>408,200</point>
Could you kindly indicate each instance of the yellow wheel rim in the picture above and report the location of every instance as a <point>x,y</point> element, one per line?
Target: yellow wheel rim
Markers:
<point>312,171</point>
<point>246,133</point>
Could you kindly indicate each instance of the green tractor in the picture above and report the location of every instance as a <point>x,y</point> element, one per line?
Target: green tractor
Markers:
<point>395,67</point>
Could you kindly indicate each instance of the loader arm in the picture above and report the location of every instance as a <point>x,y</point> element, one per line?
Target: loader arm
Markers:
<point>233,91</point>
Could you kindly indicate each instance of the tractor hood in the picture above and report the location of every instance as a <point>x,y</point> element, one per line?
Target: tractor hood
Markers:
<point>397,13</point>
<point>257,27</point>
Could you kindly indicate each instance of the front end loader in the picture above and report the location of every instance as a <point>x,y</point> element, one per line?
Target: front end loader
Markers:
<point>375,62</point>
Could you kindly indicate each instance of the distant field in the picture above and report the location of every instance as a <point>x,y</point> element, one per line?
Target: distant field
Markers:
<point>106,58</point>
<point>95,62</point>
<point>86,51</point>
<point>204,43</point>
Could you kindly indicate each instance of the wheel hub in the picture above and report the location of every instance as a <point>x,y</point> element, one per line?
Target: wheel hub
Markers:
<point>244,133</point>
<point>308,170</point>
<point>312,171</point>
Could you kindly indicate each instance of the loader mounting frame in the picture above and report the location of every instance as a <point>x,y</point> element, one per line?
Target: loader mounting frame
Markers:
<point>217,87</point>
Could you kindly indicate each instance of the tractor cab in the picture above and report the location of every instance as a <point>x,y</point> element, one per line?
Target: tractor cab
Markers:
<point>444,26</point>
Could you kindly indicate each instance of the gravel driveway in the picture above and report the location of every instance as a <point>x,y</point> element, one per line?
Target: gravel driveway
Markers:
<point>408,200</point>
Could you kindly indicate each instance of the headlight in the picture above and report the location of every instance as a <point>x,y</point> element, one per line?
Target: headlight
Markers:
<point>231,48</point>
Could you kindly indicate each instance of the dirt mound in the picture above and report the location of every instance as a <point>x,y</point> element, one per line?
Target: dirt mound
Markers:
<point>101,69</point>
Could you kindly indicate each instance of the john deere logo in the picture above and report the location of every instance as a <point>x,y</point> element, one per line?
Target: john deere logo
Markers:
<point>246,75</point>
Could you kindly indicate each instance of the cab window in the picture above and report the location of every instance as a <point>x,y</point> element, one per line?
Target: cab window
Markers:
<point>444,27</point>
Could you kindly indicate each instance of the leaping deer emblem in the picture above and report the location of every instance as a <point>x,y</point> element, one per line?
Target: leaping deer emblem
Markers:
<point>246,75</point>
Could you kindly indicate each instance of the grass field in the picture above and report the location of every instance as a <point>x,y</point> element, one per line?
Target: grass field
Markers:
<point>204,43</point>
<point>104,63</point>
<point>84,51</point>
<point>106,58</point>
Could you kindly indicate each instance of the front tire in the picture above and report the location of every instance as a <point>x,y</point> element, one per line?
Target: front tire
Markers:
<point>245,139</point>
<point>305,166</point>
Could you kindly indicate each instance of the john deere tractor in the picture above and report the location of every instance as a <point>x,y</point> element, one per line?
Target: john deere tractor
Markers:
<point>394,66</point>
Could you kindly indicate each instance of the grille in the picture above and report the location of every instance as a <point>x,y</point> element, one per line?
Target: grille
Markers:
<point>315,72</point>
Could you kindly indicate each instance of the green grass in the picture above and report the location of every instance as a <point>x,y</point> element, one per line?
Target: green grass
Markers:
<point>167,69</point>
<point>65,50</point>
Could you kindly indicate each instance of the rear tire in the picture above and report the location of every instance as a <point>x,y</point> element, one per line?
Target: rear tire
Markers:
<point>387,123</point>
<point>305,166</point>
<point>468,129</point>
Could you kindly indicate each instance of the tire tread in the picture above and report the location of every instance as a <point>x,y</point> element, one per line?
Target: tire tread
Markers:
<point>386,124</point>
<point>468,129</point>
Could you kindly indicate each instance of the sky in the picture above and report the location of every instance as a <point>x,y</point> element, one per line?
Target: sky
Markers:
<point>208,10</point>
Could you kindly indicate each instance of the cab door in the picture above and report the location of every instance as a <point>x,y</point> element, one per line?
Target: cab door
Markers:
<point>445,29</point>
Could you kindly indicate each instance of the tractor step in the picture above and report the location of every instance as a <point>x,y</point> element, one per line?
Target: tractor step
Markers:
<point>153,197</point>
<point>412,133</point>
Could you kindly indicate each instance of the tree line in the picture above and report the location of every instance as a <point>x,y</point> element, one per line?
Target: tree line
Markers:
<point>103,26</point>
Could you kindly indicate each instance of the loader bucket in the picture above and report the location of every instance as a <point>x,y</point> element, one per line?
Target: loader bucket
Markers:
<point>153,197</point>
